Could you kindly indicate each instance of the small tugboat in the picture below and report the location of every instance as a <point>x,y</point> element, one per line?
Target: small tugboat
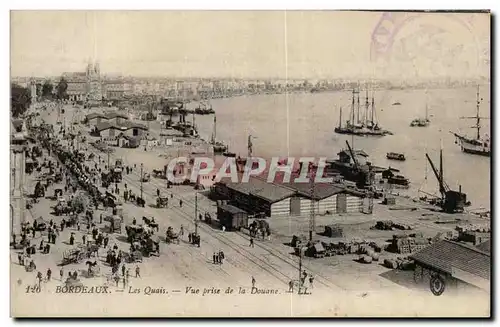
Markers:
<point>395,156</point>
<point>396,180</point>
<point>365,126</point>
<point>396,104</point>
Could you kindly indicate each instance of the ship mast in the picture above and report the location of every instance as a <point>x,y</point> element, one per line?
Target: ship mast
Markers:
<point>358,107</point>
<point>214,133</point>
<point>340,118</point>
<point>352,106</point>
<point>250,146</point>
<point>367,105</point>
<point>373,109</point>
<point>477,117</point>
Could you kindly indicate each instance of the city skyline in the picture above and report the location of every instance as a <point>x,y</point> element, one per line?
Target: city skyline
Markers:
<point>247,45</point>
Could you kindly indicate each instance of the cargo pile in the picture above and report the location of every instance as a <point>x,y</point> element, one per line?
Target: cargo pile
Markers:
<point>333,231</point>
<point>405,244</point>
<point>323,249</point>
<point>390,225</point>
<point>399,263</point>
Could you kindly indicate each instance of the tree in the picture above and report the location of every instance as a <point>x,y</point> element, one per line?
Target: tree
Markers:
<point>47,88</point>
<point>61,89</point>
<point>39,88</point>
<point>20,98</point>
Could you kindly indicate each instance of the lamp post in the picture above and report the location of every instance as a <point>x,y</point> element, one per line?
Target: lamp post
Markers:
<point>196,213</point>
<point>141,179</point>
<point>301,250</point>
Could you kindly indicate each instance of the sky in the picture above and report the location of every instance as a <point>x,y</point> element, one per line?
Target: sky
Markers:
<point>251,44</point>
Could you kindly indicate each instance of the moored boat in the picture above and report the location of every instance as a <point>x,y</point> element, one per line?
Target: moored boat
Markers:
<point>395,156</point>
<point>475,145</point>
<point>361,126</point>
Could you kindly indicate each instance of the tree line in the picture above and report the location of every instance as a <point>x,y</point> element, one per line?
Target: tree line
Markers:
<point>21,97</point>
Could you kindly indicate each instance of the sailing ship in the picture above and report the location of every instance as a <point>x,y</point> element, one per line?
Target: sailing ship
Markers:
<point>477,145</point>
<point>204,108</point>
<point>366,125</point>
<point>421,122</point>
<point>218,146</point>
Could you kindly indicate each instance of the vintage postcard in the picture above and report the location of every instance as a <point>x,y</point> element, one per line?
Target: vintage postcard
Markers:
<point>250,164</point>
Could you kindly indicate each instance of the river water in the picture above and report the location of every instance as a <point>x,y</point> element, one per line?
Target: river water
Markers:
<point>303,125</point>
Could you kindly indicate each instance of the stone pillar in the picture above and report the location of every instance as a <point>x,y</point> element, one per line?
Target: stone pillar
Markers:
<point>17,196</point>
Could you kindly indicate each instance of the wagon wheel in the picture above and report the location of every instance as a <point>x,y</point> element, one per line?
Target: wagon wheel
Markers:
<point>418,274</point>
<point>437,285</point>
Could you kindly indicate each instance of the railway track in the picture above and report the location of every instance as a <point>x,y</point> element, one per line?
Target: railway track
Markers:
<point>223,239</point>
<point>276,273</point>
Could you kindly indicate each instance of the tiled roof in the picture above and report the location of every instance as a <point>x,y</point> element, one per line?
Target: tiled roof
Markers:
<point>261,189</point>
<point>109,115</point>
<point>112,115</point>
<point>104,125</point>
<point>17,123</point>
<point>445,255</point>
<point>123,126</point>
<point>321,190</point>
<point>485,246</point>
<point>95,115</point>
<point>231,209</point>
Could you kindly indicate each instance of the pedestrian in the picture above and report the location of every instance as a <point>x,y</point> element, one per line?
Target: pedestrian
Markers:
<point>171,196</point>
<point>311,280</point>
<point>49,274</point>
<point>158,192</point>
<point>214,258</point>
<point>290,286</point>
<point>124,282</point>
<point>127,276</point>
<point>71,239</point>
<point>137,272</point>
<point>181,231</point>
<point>251,242</point>
<point>190,237</point>
<point>217,259</point>
<point>84,237</point>
<point>100,219</point>
<point>221,257</point>
<point>39,278</point>
<point>180,203</point>
<point>253,282</point>
<point>78,226</point>
<point>61,273</point>
<point>223,228</point>
<point>123,270</point>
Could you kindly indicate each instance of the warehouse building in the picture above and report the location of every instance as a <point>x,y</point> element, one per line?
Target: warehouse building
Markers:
<point>257,196</point>
<point>282,199</point>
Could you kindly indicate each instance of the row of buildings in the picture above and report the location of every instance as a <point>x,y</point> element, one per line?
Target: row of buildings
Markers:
<point>92,85</point>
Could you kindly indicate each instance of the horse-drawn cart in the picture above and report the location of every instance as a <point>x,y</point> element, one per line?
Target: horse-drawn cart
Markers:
<point>133,256</point>
<point>115,223</point>
<point>73,256</point>
<point>171,236</point>
<point>161,202</point>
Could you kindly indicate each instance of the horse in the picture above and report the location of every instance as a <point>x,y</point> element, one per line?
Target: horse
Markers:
<point>151,223</point>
